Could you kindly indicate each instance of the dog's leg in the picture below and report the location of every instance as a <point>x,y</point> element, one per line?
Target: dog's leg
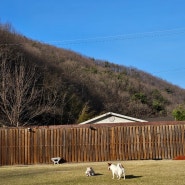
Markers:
<point>112,175</point>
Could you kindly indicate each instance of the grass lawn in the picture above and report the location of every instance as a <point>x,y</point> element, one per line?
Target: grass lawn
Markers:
<point>147,172</point>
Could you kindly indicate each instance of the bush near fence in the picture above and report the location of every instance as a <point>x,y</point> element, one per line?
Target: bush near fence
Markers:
<point>95,142</point>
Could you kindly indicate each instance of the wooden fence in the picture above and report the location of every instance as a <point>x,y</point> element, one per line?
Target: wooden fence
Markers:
<point>133,141</point>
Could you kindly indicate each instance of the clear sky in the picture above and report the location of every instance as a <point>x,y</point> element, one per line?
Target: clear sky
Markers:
<point>145,34</point>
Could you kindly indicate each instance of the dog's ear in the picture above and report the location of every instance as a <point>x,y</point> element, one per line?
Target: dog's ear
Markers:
<point>109,164</point>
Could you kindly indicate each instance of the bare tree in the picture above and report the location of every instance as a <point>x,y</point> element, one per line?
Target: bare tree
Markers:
<point>21,97</point>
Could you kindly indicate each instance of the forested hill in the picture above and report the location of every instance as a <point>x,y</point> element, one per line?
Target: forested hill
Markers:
<point>41,85</point>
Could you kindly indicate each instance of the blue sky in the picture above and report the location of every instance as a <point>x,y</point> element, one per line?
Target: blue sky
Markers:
<point>145,34</point>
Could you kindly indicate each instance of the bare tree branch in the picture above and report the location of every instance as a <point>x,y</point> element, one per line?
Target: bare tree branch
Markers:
<point>21,97</point>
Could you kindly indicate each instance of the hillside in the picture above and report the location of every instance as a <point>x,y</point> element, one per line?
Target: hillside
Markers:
<point>42,84</point>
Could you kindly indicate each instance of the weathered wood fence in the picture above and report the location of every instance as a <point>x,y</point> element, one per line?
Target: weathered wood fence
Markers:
<point>132,141</point>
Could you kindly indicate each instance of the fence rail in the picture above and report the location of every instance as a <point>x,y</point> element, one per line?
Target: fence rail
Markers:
<point>87,143</point>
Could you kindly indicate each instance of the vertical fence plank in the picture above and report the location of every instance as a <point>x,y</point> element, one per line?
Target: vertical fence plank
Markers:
<point>69,145</point>
<point>80,147</point>
<point>126,137</point>
<point>63,137</point>
<point>144,143</point>
<point>74,153</point>
<point>141,142</point>
<point>183,138</point>
<point>162,143</point>
<point>54,140</point>
<point>86,145</point>
<point>131,134</point>
<point>171,141</point>
<point>135,153</point>
<point>101,145</point>
<point>112,144</point>
<point>128,143</point>
<point>4,159</point>
<point>168,141</point>
<point>60,147</point>
<point>90,143</point>
<point>158,141</point>
<point>34,151</point>
<point>156,135</point>
<point>8,148</point>
<point>176,140</point>
<point>22,146</point>
<point>48,144</point>
<point>41,146</point>
<point>96,144</point>
<point>11,152</point>
<point>121,141</point>
<point>150,142</point>
<point>72,145</point>
<point>147,142</point>
<point>116,143</point>
<point>137,143</point>
<point>44,147</point>
<point>26,146</point>
<point>165,142</point>
<point>181,135</point>
<point>108,144</point>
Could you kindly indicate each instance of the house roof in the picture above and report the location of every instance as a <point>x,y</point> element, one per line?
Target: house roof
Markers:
<point>111,117</point>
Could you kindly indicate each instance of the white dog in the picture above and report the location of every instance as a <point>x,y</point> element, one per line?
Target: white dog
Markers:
<point>89,171</point>
<point>117,170</point>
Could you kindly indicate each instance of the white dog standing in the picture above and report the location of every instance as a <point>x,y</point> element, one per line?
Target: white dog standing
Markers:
<point>117,170</point>
<point>89,171</point>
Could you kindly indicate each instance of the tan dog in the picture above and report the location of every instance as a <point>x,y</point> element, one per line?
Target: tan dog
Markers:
<point>89,171</point>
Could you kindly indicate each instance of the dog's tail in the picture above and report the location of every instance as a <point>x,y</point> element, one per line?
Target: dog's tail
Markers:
<point>120,165</point>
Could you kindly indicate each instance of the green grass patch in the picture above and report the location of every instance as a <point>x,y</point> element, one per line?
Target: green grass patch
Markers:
<point>149,172</point>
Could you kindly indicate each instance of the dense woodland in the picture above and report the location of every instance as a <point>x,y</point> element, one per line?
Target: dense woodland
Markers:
<point>44,85</point>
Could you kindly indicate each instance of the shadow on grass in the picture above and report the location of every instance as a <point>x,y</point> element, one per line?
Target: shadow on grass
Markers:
<point>132,176</point>
<point>97,174</point>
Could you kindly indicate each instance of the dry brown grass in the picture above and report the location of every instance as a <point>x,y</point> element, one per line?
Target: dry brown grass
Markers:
<point>137,172</point>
